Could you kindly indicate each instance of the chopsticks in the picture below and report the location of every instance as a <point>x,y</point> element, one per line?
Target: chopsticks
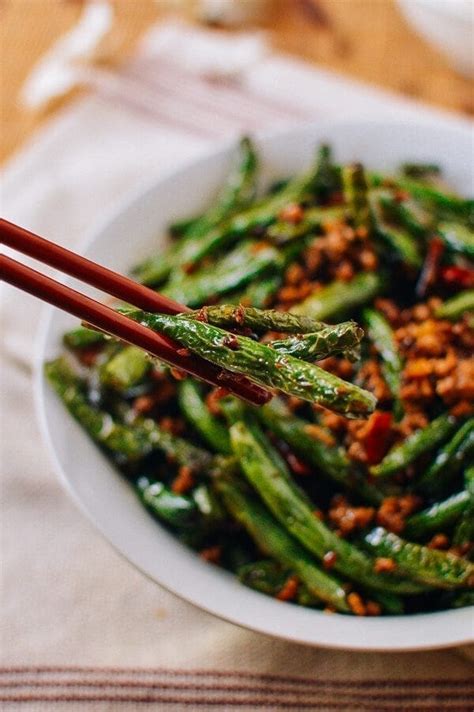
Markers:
<point>102,316</point>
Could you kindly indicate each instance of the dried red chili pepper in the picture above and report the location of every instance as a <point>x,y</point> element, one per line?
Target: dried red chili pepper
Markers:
<point>429,271</point>
<point>461,277</point>
<point>376,437</point>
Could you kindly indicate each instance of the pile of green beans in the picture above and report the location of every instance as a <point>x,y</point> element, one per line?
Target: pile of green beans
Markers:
<point>253,488</point>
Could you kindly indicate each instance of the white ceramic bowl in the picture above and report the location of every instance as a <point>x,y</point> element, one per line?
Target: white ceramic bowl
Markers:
<point>136,231</point>
<point>447,24</point>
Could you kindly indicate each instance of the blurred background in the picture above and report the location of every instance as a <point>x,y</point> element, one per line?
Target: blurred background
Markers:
<point>421,49</point>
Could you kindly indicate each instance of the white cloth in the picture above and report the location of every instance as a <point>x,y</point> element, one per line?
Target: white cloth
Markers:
<point>67,598</point>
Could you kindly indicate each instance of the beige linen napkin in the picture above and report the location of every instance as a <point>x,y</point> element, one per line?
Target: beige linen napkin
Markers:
<point>79,626</point>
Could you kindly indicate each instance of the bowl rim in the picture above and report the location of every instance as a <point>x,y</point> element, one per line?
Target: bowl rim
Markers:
<point>366,633</point>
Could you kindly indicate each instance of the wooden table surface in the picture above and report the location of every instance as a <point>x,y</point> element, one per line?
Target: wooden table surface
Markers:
<point>364,39</point>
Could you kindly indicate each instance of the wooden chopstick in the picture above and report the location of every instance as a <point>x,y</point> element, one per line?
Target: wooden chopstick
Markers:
<point>105,318</point>
<point>85,270</point>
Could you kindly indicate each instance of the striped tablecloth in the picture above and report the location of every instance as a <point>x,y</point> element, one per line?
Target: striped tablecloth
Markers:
<point>113,688</point>
<point>80,627</point>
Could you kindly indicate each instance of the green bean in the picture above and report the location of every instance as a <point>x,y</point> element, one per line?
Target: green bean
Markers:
<point>259,293</point>
<point>195,410</point>
<point>232,408</point>
<point>235,269</point>
<point>208,505</point>
<point>458,237</point>
<point>261,215</point>
<point>177,449</point>
<point>175,509</point>
<point>331,460</point>
<point>133,441</point>
<point>438,517</point>
<point>273,540</point>
<point>313,220</point>
<point>464,531</point>
<point>236,194</point>
<point>356,196</point>
<point>469,479</point>
<point>237,413</point>
<point>83,338</point>
<point>417,444</point>
<point>277,185</point>
<point>180,227</point>
<point>391,604</point>
<point>404,244</point>
<point>328,176</point>
<point>428,566</point>
<point>449,460</point>
<point>381,335</point>
<point>447,205</point>
<point>258,320</point>
<point>125,369</point>
<point>420,170</point>
<point>340,297</point>
<point>339,339</point>
<point>457,306</point>
<point>262,364</point>
<point>267,576</point>
<point>462,599</point>
<point>409,214</point>
<point>289,505</point>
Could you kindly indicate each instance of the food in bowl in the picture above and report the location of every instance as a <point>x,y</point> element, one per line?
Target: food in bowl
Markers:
<point>365,515</point>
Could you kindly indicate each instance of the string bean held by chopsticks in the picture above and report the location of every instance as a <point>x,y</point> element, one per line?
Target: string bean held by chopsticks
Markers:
<point>339,339</point>
<point>273,540</point>
<point>262,364</point>
<point>258,320</point>
<point>290,506</point>
<point>417,444</point>
<point>428,566</point>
